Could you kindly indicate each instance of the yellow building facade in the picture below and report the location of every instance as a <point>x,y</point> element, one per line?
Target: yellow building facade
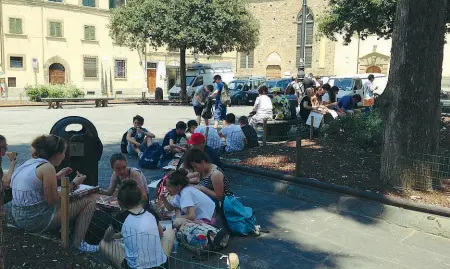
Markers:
<point>67,41</point>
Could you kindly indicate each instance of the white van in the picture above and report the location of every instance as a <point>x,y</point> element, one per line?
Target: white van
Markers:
<point>347,83</point>
<point>199,75</point>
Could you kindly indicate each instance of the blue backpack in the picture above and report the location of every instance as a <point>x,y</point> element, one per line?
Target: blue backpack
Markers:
<point>151,157</point>
<point>240,219</point>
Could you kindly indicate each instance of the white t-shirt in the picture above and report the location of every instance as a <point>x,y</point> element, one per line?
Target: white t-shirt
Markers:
<point>142,242</point>
<point>235,138</point>
<point>214,140</point>
<point>264,106</point>
<point>190,196</point>
<point>368,89</point>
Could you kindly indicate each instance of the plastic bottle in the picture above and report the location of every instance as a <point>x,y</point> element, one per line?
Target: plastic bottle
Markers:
<point>175,246</point>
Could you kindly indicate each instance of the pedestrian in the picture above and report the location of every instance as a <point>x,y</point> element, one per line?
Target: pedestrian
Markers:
<point>369,87</point>
<point>199,102</point>
<point>220,111</point>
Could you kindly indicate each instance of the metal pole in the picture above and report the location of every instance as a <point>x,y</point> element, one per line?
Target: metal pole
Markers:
<point>303,33</point>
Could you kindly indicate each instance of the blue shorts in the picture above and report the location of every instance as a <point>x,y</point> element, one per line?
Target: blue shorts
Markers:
<point>220,111</point>
<point>131,151</point>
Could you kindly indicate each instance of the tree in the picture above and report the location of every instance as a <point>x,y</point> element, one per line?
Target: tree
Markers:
<point>410,103</point>
<point>209,27</point>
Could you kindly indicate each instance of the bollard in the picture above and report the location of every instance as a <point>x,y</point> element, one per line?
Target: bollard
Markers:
<point>311,129</point>
<point>264,132</point>
<point>298,147</point>
<point>65,212</point>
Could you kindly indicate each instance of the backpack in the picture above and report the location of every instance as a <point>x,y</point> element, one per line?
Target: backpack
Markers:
<point>124,142</point>
<point>207,110</point>
<point>240,219</point>
<point>225,98</point>
<point>200,238</point>
<point>150,157</point>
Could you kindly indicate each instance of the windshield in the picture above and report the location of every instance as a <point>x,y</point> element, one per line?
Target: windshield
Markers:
<point>270,84</point>
<point>189,80</point>
<point>344,84</point>
<point>236,85</point>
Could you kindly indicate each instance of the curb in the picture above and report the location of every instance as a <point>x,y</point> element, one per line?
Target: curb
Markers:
<point>397,202</point>
<point>122,102</point>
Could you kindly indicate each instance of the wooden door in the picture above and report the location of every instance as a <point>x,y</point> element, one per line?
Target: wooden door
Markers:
<point>57,77</point>
<point>273,71</point>
<point>151,80</point>
<point>373,69</point>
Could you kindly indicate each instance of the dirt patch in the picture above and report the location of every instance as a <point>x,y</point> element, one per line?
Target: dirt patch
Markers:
<point>24,250</point>
<point>341,163</point>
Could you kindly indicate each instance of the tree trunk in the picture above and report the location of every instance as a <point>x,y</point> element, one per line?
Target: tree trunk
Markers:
<point>410,103</point>
<point>183,93</point>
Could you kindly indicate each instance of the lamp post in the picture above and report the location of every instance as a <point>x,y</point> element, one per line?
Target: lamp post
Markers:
<point>301,66</point>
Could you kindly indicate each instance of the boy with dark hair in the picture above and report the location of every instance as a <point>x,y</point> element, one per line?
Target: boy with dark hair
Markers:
<point>235,138</point>
<point>170,143</point>
<point>138,137</point>
<point>348,103</point>
<point>250,133</point>
<point>220,109</point>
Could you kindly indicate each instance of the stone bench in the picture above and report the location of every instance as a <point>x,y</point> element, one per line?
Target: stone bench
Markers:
<point>57,102</point>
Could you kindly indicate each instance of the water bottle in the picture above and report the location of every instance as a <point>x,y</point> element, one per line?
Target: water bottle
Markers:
<point>175,246</point>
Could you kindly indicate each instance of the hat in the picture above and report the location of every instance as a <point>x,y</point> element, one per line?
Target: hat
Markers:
<point>196,138</point>
<point>276,89</point>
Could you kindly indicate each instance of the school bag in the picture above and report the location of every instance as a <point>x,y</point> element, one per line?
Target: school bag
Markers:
<point>150,157</point>
<point>241,220</point>
<point>207,110</point>
<point>124,142</point>
<point>200,238</point>
<point>225,97</point>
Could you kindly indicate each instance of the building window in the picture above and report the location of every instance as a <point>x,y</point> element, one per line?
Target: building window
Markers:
<point>89,3</point>
<point>89,32</point>
<point>116,3</point>
<point>90,65</point>
<point>151,65</point>
<point>15,62</point>
<point>12,82</point>
<point>120,69</point>
<point>55,29</point>
<point>247,59</point>
<point>309,38</point>
<point>15,26</point>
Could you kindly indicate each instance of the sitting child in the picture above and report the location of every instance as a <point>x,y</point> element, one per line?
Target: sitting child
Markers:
<point>170,143</point>
<point>135,238</point>
<point>235,138</point>
<point>121,172</point>
<point>138,137</point>
<point>189,203</point>
<point>251,136</point>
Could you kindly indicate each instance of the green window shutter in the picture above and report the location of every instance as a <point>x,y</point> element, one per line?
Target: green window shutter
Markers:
<point>15,26</point>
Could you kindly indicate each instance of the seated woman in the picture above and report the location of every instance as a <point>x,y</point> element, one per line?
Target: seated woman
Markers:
<point>189,203</point>
<point>5,179</point>
<point>281,106</point>
<point>135,238</point>
<point>36,202</point>
<point>306,105</point>
<point>262,108</point>
<point>121,172</point>
<point>212,180</point>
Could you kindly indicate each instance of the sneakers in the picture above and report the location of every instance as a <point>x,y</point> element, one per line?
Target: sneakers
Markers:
<point>86,248</point>
<point>140,154</point>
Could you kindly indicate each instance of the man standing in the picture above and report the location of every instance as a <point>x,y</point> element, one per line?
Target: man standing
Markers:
<point>220,111</point>
<point>369,88</point>
<point>198,102</point>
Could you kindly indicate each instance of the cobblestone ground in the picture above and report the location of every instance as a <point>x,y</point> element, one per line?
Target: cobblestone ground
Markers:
<point>302,234</point>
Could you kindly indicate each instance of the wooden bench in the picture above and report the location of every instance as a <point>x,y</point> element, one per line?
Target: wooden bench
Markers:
<point>277,130</point>
<point>57,102</point>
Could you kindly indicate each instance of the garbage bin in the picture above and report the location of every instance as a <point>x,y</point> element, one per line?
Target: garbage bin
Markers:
<point>84,148</point>
<point>159,94</point>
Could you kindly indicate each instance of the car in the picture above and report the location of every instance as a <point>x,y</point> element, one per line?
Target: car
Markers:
<point>347,83</point>
<point>281,83</point>
<point>242,91</point>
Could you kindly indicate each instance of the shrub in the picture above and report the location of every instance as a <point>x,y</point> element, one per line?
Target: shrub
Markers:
<point>36,93</point>
<point>363,129</point>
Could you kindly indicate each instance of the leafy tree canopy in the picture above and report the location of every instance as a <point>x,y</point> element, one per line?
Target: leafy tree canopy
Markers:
<point>210,27</point>
<point>364,17</point>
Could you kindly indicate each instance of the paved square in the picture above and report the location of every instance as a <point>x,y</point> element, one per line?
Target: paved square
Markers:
<point>303,234</point>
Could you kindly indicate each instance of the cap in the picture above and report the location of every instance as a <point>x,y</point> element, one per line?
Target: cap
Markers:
<point>196,138</point>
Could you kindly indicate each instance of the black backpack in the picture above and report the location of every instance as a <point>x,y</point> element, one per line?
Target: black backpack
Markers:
<point>124,142</point>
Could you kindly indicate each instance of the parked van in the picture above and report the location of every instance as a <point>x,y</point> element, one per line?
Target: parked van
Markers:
<point>198,75</point>
<point>352,84</point>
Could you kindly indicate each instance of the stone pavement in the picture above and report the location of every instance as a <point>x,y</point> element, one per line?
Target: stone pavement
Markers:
<point>303,233</point>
